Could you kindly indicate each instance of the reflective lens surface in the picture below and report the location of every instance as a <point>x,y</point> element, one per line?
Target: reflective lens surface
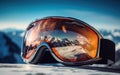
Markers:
<point>70,41</point>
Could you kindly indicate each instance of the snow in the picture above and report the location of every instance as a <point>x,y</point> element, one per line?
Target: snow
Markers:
<point>58,69</point>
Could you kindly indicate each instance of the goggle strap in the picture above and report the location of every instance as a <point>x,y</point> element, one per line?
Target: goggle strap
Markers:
<point>107,52</point>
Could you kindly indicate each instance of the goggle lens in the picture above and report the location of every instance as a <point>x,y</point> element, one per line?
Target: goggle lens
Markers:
<point>70,41</point>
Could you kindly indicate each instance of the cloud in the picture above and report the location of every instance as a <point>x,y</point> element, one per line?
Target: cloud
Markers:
<point>95,19</point>
<point>5,25</point>
<point>109,37</point>
<point>90,14</point>
<point>116,34</point>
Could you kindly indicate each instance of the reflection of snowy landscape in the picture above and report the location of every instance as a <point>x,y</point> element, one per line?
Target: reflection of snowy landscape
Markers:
<point>72,52</point>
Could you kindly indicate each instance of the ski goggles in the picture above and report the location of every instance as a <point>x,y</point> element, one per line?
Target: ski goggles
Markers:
<point>66,40</point>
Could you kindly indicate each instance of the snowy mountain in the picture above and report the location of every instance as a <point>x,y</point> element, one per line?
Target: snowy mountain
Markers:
<point>15,35</point>
<point>10,52</point>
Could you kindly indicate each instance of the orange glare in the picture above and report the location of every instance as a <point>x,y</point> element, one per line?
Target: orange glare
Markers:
<point>64,29</point>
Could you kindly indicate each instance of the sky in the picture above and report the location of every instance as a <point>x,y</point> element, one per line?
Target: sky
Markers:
<point>101,14</point>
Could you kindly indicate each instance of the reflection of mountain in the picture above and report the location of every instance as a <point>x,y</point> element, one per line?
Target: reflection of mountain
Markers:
<point>9,51</point>
<point>63,42</point>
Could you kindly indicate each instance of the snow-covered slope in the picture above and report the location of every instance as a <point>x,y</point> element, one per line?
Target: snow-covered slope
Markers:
<point>55,69</point>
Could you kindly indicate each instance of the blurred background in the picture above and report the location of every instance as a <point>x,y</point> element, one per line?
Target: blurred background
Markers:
<point>16,15</point>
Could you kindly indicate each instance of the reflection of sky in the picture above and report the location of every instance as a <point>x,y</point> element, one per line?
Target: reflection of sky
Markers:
<point>98,13</point>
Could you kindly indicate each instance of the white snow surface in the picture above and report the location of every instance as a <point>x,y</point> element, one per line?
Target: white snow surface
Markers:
<point>55,69</point>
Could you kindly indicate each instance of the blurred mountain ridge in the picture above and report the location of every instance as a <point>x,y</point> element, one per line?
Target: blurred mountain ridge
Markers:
<point>10,51</point>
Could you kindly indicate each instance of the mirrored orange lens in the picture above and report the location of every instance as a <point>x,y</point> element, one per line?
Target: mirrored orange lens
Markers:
<point>69,40</point>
